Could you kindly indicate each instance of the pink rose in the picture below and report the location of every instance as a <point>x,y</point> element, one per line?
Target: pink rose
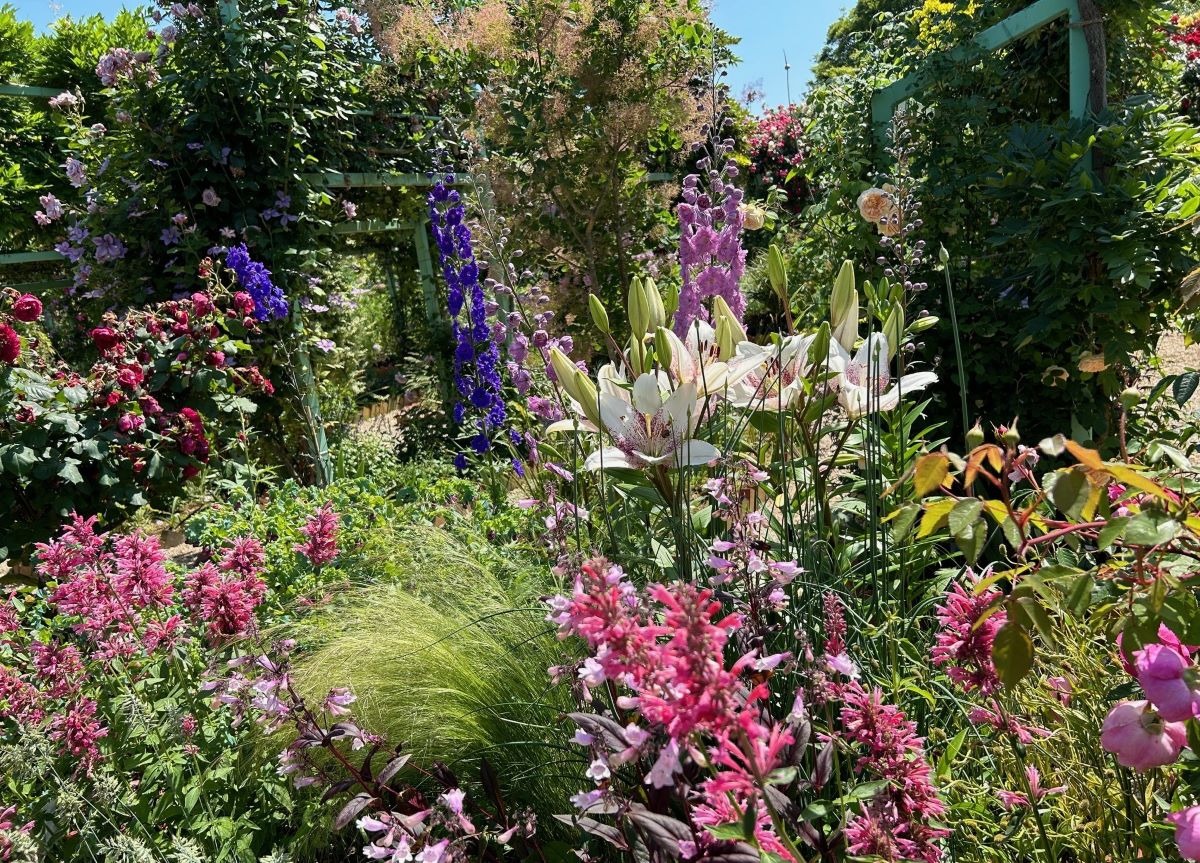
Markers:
<point>1169,681</point>
<point>1165,636</point>
<point>1187,832</point>
<point>1140,737</point>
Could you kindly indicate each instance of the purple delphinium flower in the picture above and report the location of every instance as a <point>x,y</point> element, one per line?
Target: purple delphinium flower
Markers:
<point>170,236</point>
<point>255,279</point>
<point>711,256</point>
<point>476,354</point>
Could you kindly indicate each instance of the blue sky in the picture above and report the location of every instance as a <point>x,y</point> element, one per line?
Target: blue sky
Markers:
<point>767,29</point>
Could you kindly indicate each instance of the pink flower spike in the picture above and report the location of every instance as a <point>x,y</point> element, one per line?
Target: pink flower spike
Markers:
<point>1187,832</point>
<point>1140,738</point>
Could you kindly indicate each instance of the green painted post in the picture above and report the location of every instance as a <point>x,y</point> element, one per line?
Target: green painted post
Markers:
<point>433,308</point>
<point>1080,65</point>
<point>306,382</point>
<point>25,92</point>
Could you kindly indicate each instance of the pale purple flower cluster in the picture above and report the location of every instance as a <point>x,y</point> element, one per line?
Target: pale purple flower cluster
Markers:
<point>121,64</point>
<point>711,256</point>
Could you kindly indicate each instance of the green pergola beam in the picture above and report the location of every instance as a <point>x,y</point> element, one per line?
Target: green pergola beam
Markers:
<point>366,180</point>
<point>373,226</point>
<point>13,258</point>
<point>28,92</point>
<point>46,285</point>
<point>1012,28</point>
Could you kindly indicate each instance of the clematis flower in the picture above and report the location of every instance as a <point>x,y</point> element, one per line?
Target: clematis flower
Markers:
<point>1140,737</point>
<point>864,381</point>
<point>1169,681</point>
<point>1187,832</point>
<point>648,429</point>
<point>771,377</point>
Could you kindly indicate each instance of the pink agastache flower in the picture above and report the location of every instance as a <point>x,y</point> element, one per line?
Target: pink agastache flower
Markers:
<point>77,731</point>
<point>1169,680</point>
<point>141,580</point>
<point>964,646</point>
<point>1187,832</point>
<point>1024,733</point>
<point>245,557</point>
<point>19,700</point>
<point>59,667</point>
<point>1019,799</point>
<point>667,646</point>
<point>224,602</point>
<point>896,823</point>
<point>1140,738</point>
<point>320,544</point>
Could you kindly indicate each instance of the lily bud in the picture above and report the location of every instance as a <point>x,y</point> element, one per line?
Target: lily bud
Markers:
<point>658,312</point>
<point>575,383</point>
<point>671,304</point>
<point>893,329</point>
<point>818,350</point>
<point>920,325</point>
<point>943,255</point>
<point>975,436</point>
<point>777,272</point>
<point>843,307</point>
<point>637,355</point>
<point>729,331</point>
<point>638,308</point>
<point>599,314</point>
<point>662,348</point>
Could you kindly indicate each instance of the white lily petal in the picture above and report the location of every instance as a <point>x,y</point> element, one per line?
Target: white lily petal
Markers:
<point>681,407</point>
<point>697,452</point>
<point>615,412</point>
<point>916,381</point>
<point>647,397</point>
<point>572,424</point>
<point>608,457</point>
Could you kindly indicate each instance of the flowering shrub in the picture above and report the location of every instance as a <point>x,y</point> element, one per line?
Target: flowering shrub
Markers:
<point>152,409</point>
<point>776,151</point>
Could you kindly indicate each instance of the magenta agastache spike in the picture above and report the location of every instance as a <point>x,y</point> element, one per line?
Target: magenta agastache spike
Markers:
<point>711,257</point>
<point>476,354</point>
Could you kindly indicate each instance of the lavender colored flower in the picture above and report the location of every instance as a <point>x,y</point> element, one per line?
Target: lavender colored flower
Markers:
<point>108,248</point>
<point>65,102</point>
<point>711,256</point>
<point>170,236</point>
<point>75,172</point>
<point>476,354</point>
<point>255,279</point>
<point>325,345</point>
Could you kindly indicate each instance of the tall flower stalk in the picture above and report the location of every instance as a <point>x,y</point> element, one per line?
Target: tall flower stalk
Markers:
<point>476,354</point>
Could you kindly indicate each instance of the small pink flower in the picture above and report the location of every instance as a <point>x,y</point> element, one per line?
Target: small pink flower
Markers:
<point>1139,737</point>
<point>1169,681</point>
<point>1187,832</point>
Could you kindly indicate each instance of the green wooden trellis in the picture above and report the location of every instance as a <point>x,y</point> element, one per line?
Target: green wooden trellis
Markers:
<point>1015,26</point>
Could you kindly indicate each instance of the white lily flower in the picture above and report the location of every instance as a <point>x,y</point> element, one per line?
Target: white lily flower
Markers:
<point>771,377</point>
<point>650,427</point>
<point>863,380</point>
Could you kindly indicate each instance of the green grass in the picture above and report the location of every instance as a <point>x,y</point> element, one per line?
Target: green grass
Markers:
<point>451,660</point>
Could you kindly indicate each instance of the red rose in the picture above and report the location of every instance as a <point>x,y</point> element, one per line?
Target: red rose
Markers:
<point>105,339</point>
<point>10,345</point>
<point>130,377</point>
<point>27,308</point>
<point>202,303</point>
